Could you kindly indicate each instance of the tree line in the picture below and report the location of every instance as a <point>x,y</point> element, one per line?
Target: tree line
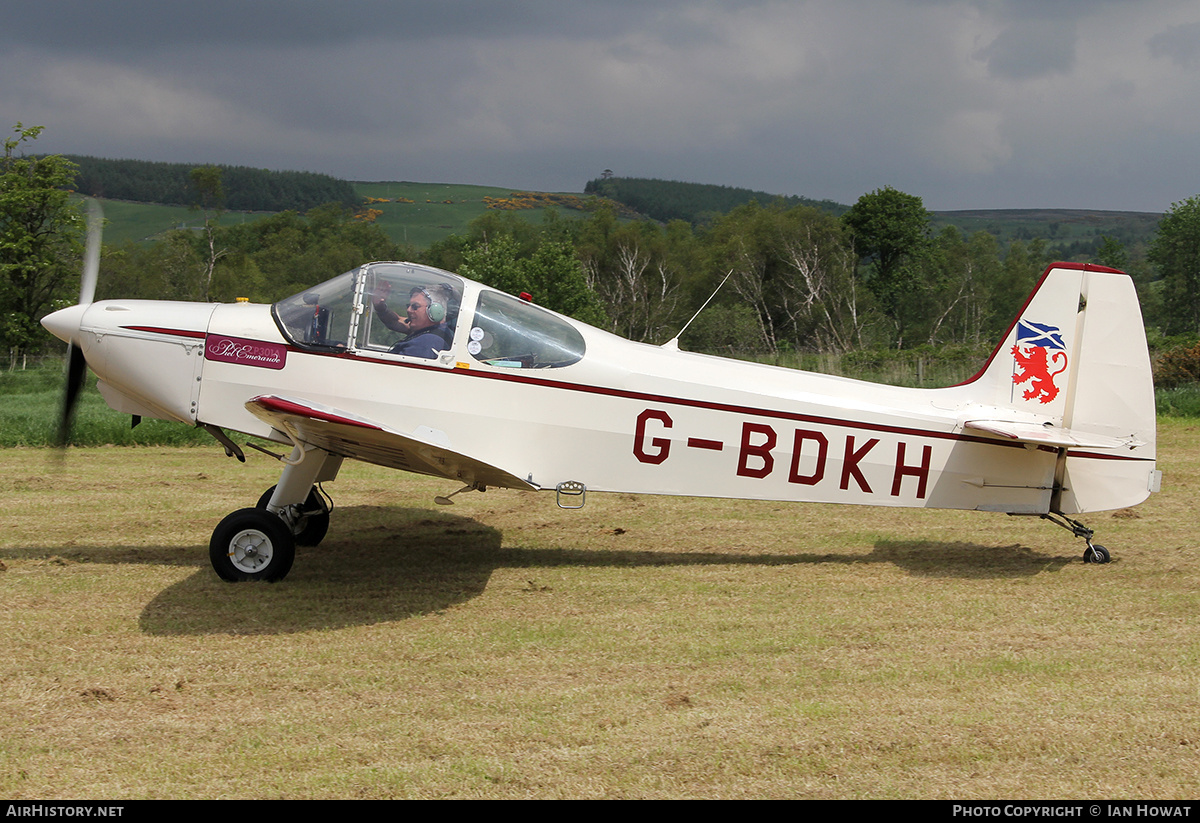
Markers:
<point>170,184</point>
<point>795,278</point>
<point>788,278</point>
<point>696,203</point>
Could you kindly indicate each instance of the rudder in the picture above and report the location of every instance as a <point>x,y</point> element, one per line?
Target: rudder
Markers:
<point>1074,370</point>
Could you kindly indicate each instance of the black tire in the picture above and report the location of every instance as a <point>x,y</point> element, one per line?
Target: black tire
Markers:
<point>1096,554</point>
<point>252,544</point>
<point>310,529</point>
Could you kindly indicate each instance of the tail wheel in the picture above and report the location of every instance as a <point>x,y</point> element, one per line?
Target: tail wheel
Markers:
<point>310,526</point>
<point>252,544</point>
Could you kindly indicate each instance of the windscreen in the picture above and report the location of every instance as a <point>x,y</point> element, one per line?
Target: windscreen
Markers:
<point>512,333</point>
<point>393,308</point>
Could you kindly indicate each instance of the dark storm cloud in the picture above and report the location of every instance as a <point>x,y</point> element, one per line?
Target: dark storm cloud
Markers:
<point>1031,49</point>
<point>1180,44</point>
<point>966,103</point>
<point>97,28</point>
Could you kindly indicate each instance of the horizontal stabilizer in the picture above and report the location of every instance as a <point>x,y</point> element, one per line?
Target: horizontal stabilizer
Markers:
<point>1046,434</point>
<point>424,451</point>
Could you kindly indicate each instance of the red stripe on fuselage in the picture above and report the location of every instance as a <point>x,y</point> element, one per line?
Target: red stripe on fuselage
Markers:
<point>510,376</point>
<point>195,335</point>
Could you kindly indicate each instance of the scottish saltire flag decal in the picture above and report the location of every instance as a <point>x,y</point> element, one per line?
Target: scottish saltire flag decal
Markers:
<point>1039,334</point>
<point>1038,357</point>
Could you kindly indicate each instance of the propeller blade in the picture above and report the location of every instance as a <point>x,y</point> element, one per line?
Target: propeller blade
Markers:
<point>76,372</point>
<point>76,364</point>
<point>91,261</point>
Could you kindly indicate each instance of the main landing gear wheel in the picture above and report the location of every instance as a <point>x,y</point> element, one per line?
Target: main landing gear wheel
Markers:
<point>311,524</point>
<point>1096,554</point>
<point>252,544</point>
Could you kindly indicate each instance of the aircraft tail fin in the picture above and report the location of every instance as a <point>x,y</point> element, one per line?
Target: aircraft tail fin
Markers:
<point>1073,373</point>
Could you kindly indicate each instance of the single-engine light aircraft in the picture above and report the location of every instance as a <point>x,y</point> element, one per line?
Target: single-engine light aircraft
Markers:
<point>414,368</point>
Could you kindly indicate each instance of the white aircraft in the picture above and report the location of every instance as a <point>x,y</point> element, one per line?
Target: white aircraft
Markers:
<point>414,368</point>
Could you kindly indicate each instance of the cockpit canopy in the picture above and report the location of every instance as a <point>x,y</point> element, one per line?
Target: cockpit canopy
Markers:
<point>417,311</point>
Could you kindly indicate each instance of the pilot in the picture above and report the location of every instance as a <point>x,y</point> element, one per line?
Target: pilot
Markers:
<point>425,322</point>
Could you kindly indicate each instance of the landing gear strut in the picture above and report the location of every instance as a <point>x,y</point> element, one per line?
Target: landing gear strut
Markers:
<point>1094,553</point>
<point>309,520</point>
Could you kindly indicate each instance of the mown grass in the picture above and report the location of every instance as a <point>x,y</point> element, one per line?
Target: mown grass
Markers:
<point>640,647</point>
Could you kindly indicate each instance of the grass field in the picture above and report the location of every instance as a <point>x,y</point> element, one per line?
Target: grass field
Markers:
<point>422,213</point>
<point>31,402</point>
<point>418,214</point>
<point>641,647</point>
<point>436,210</point>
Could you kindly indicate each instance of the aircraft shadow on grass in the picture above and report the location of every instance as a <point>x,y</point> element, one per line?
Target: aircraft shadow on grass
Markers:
<point>426,562</point>
<point>417,561</point>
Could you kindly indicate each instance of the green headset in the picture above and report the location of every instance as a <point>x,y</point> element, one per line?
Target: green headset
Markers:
<point>436,310</point>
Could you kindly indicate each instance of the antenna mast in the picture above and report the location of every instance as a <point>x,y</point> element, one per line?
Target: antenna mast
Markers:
<point>673,343</point>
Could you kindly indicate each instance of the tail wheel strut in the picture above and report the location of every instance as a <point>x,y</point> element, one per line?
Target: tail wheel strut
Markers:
<point>1094,553</point>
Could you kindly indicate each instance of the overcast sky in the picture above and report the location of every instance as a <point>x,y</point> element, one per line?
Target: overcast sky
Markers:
<point>965,103</point>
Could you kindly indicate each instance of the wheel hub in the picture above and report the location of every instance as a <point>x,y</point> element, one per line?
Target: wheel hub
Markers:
<point>250,550</point>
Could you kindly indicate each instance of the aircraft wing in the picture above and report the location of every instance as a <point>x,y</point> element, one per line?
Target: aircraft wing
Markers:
<point>1048,435</point>
<point>424,451</point>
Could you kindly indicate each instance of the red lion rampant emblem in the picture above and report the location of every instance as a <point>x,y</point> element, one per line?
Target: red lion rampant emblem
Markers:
<point>1040,347</point>
<point>1033,367</point>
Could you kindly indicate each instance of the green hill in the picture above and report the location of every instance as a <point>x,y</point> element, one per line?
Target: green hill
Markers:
<point>695,203</point>
<point>410,213</point>
<point>1070,232</point>
<point>419,214</point>
<point>246,189</point>
<point>422,213</point>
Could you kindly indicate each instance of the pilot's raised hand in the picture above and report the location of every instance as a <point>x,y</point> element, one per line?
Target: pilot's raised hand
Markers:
<point>393,320</point>
<point>379,295</point>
